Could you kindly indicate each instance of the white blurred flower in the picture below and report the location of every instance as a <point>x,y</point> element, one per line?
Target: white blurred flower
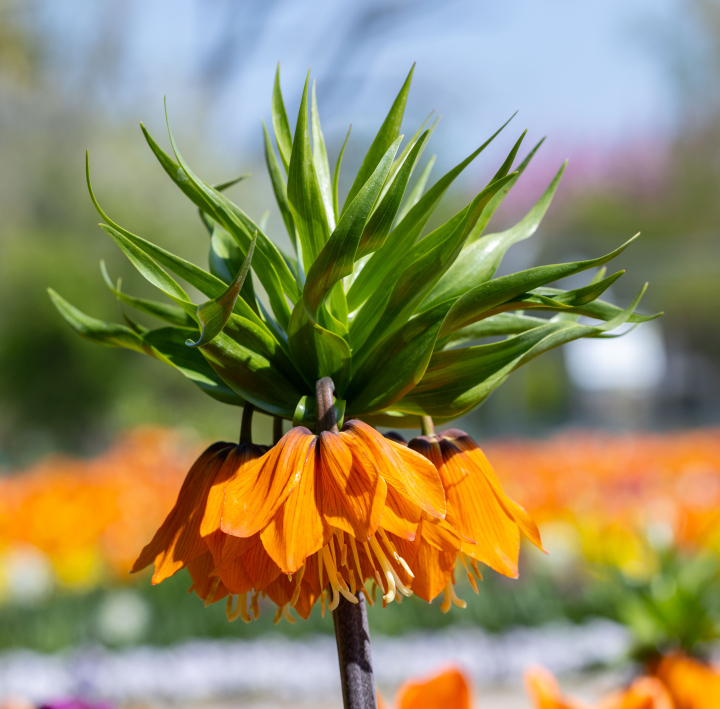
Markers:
<point>123,617</point>
<point>26,575</point>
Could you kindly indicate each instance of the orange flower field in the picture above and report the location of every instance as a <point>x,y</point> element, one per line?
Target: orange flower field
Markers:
<point>612,494</point>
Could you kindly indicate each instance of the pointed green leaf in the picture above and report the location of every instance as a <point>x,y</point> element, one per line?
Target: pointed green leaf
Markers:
<point>320,160</point>
<point>499,325</point>
<point>318,352</point>
<point>99,331</point>
<point>280,189</point>
<point>385,260</point>
<point>427,260</point>
<point>336,177</point>
<point>471,306</point>
<point>336,259</point>
<point>379,225</point>
<point>163,311</point>
<point>386,136</point>
<point>500,196</point>
<point>214,314</point>
<point>272,270</point>
<point>170,343</point>
<point>481,259</point>
<point>417,190</point>
<point>303,190</point>
<point>458,380</point>
<point>281,126</point>
<point>149,268</point>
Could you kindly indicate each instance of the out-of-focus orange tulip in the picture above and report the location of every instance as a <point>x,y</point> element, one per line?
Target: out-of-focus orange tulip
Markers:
<point>691,684</point>
<point>448,689</point>
<point>643,693</point>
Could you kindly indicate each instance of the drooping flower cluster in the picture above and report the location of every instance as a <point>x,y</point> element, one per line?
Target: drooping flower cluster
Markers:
<point>318,516</point>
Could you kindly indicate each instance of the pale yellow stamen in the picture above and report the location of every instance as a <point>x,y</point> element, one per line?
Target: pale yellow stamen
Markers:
<point>213,590</point>
<point>298,586</point>
<point>356,558</point>
<point>338,584</point>
<point>393,580</point>
<point>278,615</point>
<point>368,598</point>
<point>378,575</point>
<point>287,615</point>
<point>450,598</point>
<point>322,604</point>
<point>353,587</point>
<point>473,583</point>
<point>389,546</point>
<point>254,606</point>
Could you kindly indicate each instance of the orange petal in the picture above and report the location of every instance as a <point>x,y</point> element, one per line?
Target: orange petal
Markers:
<point>234,465</point>
<point>644,693</point>
<point>234,576</point>
<point>692,684</point>
<point>306,600</point>
<point>353,494</point>
<point>297,529</point>
<point>261,569</point>
<point>208,587</point>
<point>477,513</point>
<point>439,534</point>
<point>178,540</point>
<point>544,690</point>
<point>235,547</point>
<point>252,498</point>
<point>402,468</point>
<point>448,690</point>
<point>400,516</point>
<point>281,590</point>
<point>518,513</point>
<point>432,570</point>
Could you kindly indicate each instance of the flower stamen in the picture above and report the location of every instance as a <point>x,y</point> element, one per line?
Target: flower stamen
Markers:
<point>450,598</point>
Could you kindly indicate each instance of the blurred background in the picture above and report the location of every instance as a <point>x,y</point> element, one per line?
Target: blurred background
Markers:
<point>613,445</point>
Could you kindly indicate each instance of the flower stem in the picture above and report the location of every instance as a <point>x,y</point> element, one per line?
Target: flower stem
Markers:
<point>277,429</point>
<point>350,619</point>
<point>427,425</point>
<point>246,425</point>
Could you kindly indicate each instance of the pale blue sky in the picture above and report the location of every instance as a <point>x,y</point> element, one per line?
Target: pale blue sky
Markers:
<point>585,73</point>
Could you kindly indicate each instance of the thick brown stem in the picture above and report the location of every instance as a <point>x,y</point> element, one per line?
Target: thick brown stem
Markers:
<point>350,619</point>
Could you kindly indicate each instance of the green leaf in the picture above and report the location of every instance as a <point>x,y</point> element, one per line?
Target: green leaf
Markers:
<point>270,267</point>
<point>499,325</point>
<point>427,260</point>
<point>336,176</point>
<point>214,314</point>
<point>281,126</point>
<point>170,342</point>
<point>471,306</point>
<point>336,259</point>
<point>163,311</point>
<point>225,259</point>
<point>458,380</point>
<point>395,367</point>
<point>254,365</point>
<point>379,225</point>
<point>280,190</point>
<point>149,268</point>
<point>320,160</point>
<point>99,331</point>
<point>384,261</point>
<point>417,190</point>
<point>386,136</point>
<point>500,196</point>
<point>318,352</point>
<point>303,191</point>
<point>480,260</point>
